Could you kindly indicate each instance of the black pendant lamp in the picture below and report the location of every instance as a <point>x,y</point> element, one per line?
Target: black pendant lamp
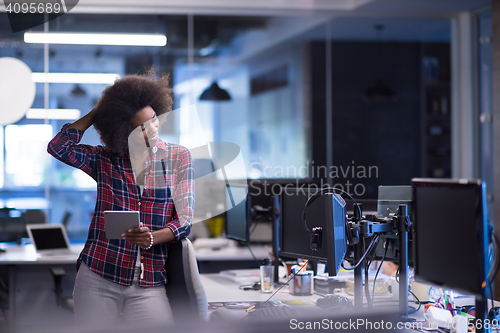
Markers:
<point>380,91</point>
<point>215,93</point>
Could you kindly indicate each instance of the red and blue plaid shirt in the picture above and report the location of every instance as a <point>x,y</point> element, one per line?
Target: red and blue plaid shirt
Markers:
<point>169,178</point>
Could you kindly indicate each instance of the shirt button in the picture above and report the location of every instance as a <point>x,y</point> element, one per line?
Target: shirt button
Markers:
<point>146,173</point>
<point>142,257</point>
<point>145,187</point>
<point>139,203</point>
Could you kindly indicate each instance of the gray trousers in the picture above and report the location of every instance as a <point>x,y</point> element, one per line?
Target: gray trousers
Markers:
<point>102,304</point>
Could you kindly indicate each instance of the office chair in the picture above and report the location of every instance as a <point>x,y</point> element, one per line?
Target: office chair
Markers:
<point>184,289</point>
<point>62,302</point>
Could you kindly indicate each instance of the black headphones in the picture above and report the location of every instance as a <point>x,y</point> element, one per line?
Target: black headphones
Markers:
<point>316,234</point>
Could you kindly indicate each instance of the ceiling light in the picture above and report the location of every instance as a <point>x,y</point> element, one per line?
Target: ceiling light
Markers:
<point>215,93</point>
<point>95,39</point>
<point>95,78</point>
<point>53,114</point>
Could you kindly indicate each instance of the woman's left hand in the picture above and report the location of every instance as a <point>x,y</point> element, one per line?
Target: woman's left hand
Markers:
<point>139,236</point>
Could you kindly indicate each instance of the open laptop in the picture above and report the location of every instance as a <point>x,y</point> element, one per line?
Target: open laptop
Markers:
<point>49,239</point>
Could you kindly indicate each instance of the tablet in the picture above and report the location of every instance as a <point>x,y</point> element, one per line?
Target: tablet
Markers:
<point>117,222</point>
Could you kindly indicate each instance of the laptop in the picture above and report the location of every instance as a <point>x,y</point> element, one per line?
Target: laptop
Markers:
<point>49,239</point>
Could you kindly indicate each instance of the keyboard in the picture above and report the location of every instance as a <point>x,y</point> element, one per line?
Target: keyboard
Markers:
<point>273,312</point>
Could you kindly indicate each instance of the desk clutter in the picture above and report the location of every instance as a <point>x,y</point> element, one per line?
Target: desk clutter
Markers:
<point>277,309</point>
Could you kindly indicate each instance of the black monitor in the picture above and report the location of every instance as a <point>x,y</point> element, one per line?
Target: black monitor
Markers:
<point>237,211</point>
<point>327,212</point>
<point>261,193</point>
<point>451,233</point>
<point>389,199</point>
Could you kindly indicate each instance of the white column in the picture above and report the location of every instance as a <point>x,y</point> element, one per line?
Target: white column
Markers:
<point>462,96</point>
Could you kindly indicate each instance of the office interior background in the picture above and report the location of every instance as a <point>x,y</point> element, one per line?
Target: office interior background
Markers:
<point>403,88</point>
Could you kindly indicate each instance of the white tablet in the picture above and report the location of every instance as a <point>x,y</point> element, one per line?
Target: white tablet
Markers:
<point>117,222</point>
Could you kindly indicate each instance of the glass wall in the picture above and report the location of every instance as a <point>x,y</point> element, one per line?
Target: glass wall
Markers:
<point>272,70</point>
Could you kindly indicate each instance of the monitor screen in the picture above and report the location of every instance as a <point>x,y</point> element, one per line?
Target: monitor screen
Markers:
<point>389,199</point>
<point>450,233</point>
<point>236,223</point>
<point>261,193</point>
<point>327,212</point>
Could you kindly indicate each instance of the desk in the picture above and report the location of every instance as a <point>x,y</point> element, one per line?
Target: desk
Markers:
<point>221,288</point>
<point>230,257</point>
<point>32,300</point>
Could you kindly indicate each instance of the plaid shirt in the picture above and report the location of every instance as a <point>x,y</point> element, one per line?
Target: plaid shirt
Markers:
<point>169,179</point>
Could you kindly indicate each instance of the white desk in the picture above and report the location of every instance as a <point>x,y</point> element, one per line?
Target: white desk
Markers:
<point>227,255</point>
<point>26,255</point>
<point>221,288</point>
<point>32,299</point>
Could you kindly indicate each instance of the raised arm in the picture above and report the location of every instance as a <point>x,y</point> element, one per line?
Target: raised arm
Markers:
<point>84,122</point>
<point>66,148</point>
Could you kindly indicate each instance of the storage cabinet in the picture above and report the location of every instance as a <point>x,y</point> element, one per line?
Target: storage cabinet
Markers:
<point>436,113</point>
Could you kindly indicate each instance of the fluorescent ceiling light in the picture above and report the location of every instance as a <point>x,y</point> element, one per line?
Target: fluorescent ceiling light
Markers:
<point>53,114</point>
<point>95,39</point>
<point>95,78</point>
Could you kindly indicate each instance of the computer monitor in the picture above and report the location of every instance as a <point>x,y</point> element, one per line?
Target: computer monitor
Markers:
<point>260,193</point>
<point>388,201</point>
<point>390,197</point>
<point>451,233</point>
<point>237,213</point>
<point>327,212</point>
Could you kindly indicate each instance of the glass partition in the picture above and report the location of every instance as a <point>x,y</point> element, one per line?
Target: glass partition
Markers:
<point>268,74</point>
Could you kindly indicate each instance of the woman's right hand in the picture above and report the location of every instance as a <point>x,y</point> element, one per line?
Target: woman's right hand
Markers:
<point>84,122</point>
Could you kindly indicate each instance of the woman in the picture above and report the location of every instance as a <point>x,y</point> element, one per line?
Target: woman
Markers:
<point>123,279</point>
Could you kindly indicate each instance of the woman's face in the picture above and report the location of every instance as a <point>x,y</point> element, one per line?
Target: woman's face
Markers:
<point>145,124</point>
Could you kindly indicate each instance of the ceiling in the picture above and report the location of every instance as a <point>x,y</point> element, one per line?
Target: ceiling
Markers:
<point>236,28</point>
<point>220,21</point>
<point>278,7</point>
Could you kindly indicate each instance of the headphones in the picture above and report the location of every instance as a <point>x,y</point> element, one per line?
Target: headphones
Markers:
<point>316,234</point>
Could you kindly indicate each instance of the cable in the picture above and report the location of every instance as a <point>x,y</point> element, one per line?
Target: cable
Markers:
<point>254,226</point>
<point>491,297</point>
<point>498,258</point>
<point>418,301</point>
<point>327,190</point>
<point>367,289</point>
<point>254,258</point>
<point>380,266</point>
<point>492,252</point>
<point>496,265</point>
<point>367,280</point>
<point>370,299</point>
<point>364,255</point>
<point>293,275</point>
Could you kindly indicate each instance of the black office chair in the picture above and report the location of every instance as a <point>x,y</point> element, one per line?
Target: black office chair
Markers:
<point>62,302</point>
<point>184,288</point>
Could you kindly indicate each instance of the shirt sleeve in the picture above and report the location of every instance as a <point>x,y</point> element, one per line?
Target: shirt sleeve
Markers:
<point>183,197</point>
<point>64,147</point>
